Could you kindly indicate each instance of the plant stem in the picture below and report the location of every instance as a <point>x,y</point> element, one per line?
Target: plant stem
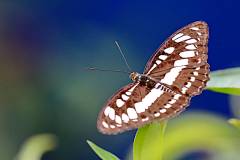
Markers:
<point>149,142</point>
<point>163,126</point>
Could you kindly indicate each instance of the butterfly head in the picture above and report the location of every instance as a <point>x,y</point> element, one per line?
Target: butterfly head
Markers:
<point>133,76</point>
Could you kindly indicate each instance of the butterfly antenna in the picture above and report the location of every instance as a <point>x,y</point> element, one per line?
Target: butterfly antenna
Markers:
<point>124,58</point>
<point>108,70</point>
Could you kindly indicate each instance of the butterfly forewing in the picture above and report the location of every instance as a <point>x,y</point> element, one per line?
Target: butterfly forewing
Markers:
<point>179,69</point>
<point>181,61</point>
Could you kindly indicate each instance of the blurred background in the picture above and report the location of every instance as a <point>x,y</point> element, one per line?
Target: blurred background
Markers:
<point>45,44</point>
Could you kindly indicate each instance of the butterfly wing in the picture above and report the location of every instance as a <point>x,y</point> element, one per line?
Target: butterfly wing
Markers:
<point>135,105</point>
<point>180,69</point>
<point>181,61</point>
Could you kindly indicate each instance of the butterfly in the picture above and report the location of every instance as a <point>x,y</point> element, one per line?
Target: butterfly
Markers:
<point>176,72</point>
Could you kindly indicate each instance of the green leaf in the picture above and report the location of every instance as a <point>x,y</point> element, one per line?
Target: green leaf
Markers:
<point>189,132</point>
<point>235,122</point>
<point>148,142</point>
<point>103,154</point>
<point>201,131</point>
<point>225,81</point>
<point>34,147</point>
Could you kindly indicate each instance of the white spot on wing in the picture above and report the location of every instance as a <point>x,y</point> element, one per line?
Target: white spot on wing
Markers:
<point>181,62</point>
<point>145,119</point>
<point>170,77</point>
<point>158,61</point>
<point>120,103</point>
<point>187,54</point>
<point>167,106</point>
<point>199,60</point>
<point>139,107</point>
<point>128,93</point>
<point>125,118</point>
<point>162,110</point>
<point>172,101</point>
<point>194,28</point>
<point>157,114</point>
<point>107,110</point>
<point>190,47</point>
<point>162,57</point>
<point>177,96</point>
<point>184,89</point>
<point>169,50</point>
<point>118,119</point>
<point>192,79</point>
<point>124,97</point>
<point>188,84</point>
<point>157,85</point>
<point>183,38</point>
<point>177,36</point>
<point>190,41</point>
<point>105,125</point>
<point>195,73</point>
<point>132,113</point>
<point>112,126</point>
<point>112,114</point>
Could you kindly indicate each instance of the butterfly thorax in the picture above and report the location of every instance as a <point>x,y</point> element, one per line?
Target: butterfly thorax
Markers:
<point>144,80</point>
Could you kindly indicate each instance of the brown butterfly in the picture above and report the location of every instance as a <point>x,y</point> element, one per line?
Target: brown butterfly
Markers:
<point>177,71</point>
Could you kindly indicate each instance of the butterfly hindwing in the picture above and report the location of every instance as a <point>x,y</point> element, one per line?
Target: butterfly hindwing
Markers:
<point>136,105</point>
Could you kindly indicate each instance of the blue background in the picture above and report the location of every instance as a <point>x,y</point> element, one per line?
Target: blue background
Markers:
<point>45,44</point>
